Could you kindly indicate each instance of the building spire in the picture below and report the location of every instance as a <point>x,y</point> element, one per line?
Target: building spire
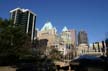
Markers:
<point>64,29</point>
<point>48,25</point>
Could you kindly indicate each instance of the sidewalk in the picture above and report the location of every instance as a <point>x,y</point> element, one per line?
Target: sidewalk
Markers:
<point>7,68</point>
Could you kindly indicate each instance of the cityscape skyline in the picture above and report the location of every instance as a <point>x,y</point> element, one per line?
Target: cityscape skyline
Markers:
<point>90,16</point>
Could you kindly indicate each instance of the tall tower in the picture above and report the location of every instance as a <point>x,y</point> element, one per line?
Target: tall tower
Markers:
<point>26,19</point>
<point>73,37</point>
<point>82,38</point>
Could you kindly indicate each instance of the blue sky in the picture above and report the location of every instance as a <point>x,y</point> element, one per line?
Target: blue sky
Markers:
<point>89,15</point>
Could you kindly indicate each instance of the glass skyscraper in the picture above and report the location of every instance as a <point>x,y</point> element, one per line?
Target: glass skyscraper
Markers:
<point>26,19</point>
<point>82,38</point>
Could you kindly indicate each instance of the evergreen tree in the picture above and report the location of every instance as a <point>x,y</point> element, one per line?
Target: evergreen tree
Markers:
<point>13,41</point>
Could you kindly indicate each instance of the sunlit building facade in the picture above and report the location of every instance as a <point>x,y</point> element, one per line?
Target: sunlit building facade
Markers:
<point>69,42</point>
<point>48,32</point>
<point>73,37</point>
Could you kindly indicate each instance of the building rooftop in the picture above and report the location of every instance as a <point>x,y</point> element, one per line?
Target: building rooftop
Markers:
<point>48,25</point>
<point>23,10</point>
<point>64,29</point>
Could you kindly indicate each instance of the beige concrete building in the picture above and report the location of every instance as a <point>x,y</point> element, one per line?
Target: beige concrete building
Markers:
<point>66,40</point>
<point>94,49</point>
<point>48,32</point>
<point>69,43</point>
<point>82,49</point>
<point>73,37</point>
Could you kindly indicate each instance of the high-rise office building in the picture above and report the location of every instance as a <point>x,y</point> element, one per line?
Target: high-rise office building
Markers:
<point>73,37</point>
<point>26,19</point>
<point>82,38</point>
